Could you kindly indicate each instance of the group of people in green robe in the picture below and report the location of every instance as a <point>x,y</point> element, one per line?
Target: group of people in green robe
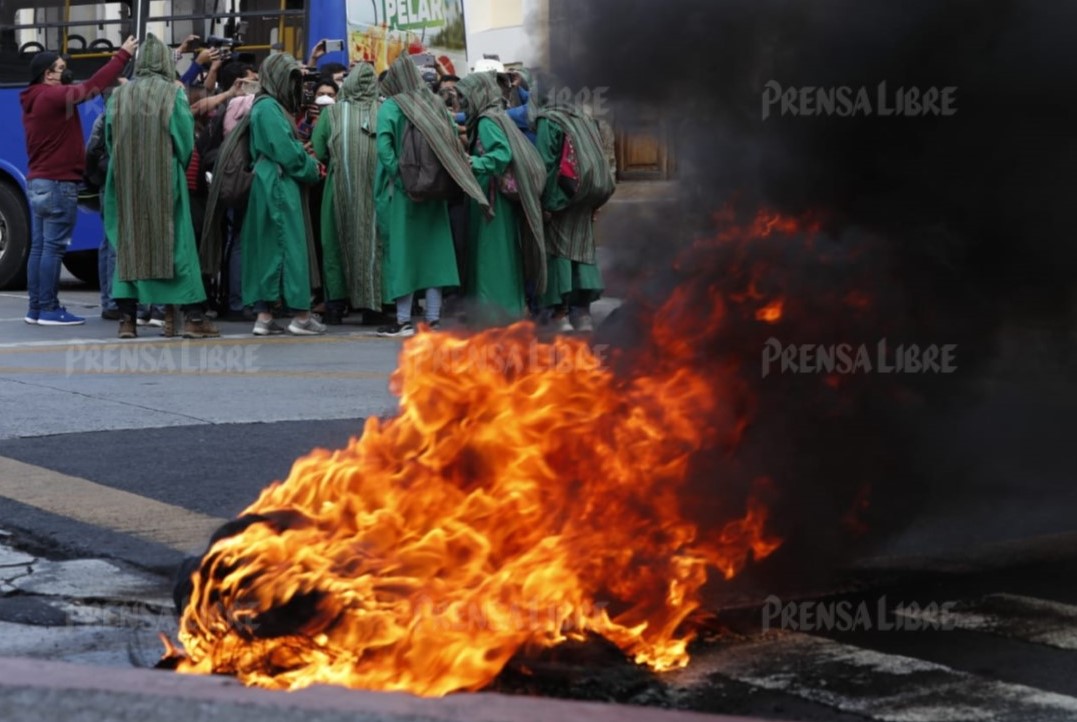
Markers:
<point>530,241</point>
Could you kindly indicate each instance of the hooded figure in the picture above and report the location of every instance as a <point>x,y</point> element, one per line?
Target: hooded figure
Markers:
<point>143,152</point>
<point>149,138</point>
<point>276,236</point>
<point>504,251</point>
<point>346,139</point>
<point>418,250</point>
<point>427,112</point>
<point>573,278</point>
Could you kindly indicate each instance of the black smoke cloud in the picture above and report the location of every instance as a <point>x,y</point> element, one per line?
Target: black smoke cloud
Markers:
<point>960,228</point>
<point>997,178</point>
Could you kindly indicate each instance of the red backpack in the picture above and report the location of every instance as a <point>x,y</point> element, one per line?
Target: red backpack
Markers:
<point>568,177</point>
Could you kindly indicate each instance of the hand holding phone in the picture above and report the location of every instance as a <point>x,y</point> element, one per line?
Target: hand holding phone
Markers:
<point>190,43</point>
<point>333,46</point>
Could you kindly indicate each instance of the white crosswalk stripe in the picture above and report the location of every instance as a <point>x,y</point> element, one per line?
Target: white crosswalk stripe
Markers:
<point>1009,615</point>
<point>885,687</point>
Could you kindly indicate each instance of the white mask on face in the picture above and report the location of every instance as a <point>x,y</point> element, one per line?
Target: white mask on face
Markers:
<point>324,100</point>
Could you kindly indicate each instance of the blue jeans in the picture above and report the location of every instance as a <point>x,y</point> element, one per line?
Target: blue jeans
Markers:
<point>235,276</point>
<point>53,208</point>
<point>432,311</point>
<point>235,262</point>
<point>106,269</point>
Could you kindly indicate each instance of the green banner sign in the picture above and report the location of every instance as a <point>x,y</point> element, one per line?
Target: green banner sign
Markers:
<point>415,14</point>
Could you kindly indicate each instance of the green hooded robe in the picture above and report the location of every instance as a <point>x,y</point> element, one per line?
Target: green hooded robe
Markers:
<point>345,139</point>
<point>417,245</point>
<point>569,282</point>
<point>573,277</point>
<point>276,235</point>
<point>507,249</point>
<point>149,134</point>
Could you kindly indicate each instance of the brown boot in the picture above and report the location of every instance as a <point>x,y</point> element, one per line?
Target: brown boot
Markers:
<point>170,322</point>
<point>199,328</point>
<point>128,327</point>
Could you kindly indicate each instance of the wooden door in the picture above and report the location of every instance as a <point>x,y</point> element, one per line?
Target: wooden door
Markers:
<point>643,151</point>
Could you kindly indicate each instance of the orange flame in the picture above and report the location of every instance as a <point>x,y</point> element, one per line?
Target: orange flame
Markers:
<point>771,313</point>
<point>520,497</point>
<point>525,494</point>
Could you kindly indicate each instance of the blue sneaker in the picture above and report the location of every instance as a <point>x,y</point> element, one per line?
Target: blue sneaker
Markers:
<point>32,316</point>
<point>59,317</point>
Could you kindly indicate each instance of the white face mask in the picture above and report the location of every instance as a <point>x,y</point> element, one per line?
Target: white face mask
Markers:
<point>324,100</point>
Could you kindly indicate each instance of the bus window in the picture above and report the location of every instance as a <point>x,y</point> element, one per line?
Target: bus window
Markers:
<point>250,26</point>
<point>88,32</point>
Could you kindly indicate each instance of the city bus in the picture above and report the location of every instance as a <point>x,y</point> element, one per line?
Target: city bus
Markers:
<point>88,33</point>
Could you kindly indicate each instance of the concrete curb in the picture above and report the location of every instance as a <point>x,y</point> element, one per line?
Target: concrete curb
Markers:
<point>35,689</point>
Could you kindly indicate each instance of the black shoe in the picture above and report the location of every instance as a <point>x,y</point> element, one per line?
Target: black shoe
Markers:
<point>333,316</point>
<point>111,314</point>
<point>245,315</point>
<point>397,330</point>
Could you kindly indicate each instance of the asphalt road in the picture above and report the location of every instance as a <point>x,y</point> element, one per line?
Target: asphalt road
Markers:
<point>134,459</point>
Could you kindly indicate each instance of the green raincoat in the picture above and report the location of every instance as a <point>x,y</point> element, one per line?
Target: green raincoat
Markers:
<point>417,245</point>
<point>149,134</point>
<point>345,139</point>
<point>508,248</point>
<point>276,235</point>
<point>573,277</point>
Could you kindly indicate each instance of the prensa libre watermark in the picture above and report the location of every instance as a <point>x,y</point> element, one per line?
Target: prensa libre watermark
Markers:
<point>170,358</point>
<point>848,102</point>
<point>847,358</point>
<point>849,616</point>
<point>534,357</point>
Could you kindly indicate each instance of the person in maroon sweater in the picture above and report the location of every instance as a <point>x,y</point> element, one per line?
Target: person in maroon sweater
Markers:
<point>54,145</point>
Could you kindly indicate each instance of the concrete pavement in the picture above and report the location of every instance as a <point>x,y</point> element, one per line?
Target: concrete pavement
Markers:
<point>60,380</point>
<point>36,690</point>
<point>110,455</point>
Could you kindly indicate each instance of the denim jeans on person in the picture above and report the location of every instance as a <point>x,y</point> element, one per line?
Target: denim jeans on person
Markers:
<point>106,268</point>
<point>235,260</point>
<point>235,276</point>
<point>432,309</point>
<point>53,208</point>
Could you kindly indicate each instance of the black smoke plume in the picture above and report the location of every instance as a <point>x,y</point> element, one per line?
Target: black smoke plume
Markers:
<point>958,227</point>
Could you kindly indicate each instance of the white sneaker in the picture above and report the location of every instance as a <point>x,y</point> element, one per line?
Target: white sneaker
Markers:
<point>309,327</point>
<point>267,328</point>
<point>562,325</point>
<point>585,324</point>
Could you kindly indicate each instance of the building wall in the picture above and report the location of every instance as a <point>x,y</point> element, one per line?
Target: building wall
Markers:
<point>512,29</point>
<point>540,33</point>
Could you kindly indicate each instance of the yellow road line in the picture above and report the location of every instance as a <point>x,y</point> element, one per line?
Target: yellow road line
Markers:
<point>102,506</point>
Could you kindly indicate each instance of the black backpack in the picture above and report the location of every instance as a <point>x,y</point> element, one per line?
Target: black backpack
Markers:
<point>96,170</point>
<point>424,177</point>
<point>233,172</point>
